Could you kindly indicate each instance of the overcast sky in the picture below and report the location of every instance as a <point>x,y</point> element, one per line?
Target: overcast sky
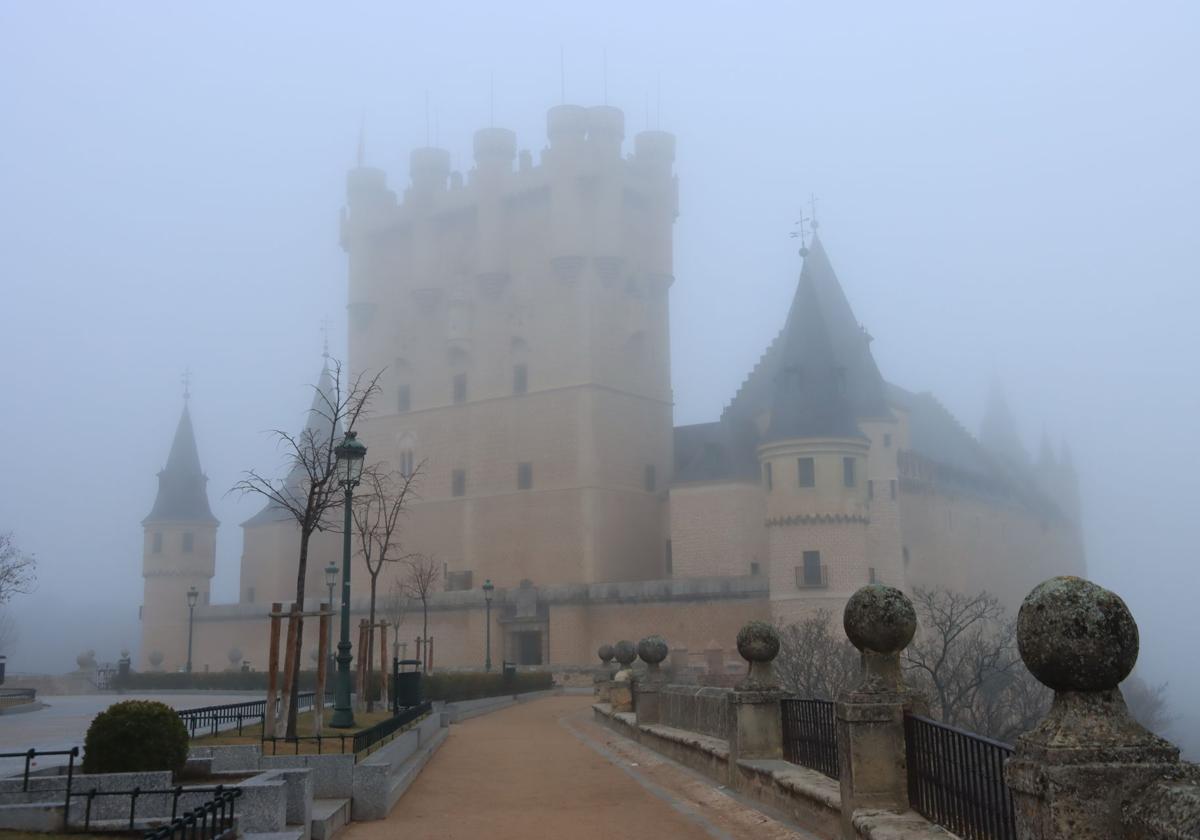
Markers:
<point>1006,191</point>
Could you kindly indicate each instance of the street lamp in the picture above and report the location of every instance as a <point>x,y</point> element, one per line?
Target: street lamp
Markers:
<point>350,454</point>
<point>488,589</point>
<point>331,574</point>
<point>192,597</point>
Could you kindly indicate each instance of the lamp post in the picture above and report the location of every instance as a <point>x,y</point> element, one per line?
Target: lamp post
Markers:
<point>350,455</point>
<point>331,575</point>
<point>192,597</point>
<point>488,589</point>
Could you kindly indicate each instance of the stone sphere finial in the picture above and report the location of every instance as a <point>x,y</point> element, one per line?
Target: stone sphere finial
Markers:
<point>1076,636</point>
<point>625,652</point>
<point>880,619</point>
<point>758,641</point>
<point>606,653</point>
<point>652,650</point>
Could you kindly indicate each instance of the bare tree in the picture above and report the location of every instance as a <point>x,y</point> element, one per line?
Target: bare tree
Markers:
<point>422,575</point>
<point>965,659</point>
<point>310,493</point>
<point>815,660</point>
<point>377,513</point>
<point>17,569</point>
<point>395,607</point>
<point>1147,703</point>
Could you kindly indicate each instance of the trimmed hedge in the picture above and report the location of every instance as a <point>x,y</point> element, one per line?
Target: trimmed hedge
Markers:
<point>215,681</point>
<point>134,736</point>
<point>466,685</point>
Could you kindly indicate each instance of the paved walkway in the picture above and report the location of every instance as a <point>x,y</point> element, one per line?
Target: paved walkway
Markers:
<point>543,769</point>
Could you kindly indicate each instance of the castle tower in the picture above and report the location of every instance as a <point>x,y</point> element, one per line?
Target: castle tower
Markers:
<point>520,316</point>
<point>179,550</point>
<point>814,461</point>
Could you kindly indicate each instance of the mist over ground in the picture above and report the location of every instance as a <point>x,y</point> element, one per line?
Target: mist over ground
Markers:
<point>1005,192</point>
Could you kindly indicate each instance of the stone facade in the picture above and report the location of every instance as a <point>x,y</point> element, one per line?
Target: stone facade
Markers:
<point>520,317</point>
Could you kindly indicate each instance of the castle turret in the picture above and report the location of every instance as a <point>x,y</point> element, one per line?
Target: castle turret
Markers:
<point>179,549</point>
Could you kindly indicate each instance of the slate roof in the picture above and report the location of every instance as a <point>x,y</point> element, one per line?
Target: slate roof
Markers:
<point>182,494</point>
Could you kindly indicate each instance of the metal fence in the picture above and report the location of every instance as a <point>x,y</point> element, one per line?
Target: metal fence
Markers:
<point>209,719</point>
<point>219,792</point>
<point>30,755</point>
<point>810,734</point>
<point>956,779</point>
<point>212,820</point>
<point>702,709</point>
<point>370,737</point>
<point>358,741</point>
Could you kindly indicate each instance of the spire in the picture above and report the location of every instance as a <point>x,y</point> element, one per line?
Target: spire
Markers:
<point>182,496</point>
<point>810,395</point>
<point>361,155</point>
<point>998,430</point>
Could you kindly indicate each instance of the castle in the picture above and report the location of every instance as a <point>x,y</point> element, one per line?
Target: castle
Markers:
<point>520,316</point>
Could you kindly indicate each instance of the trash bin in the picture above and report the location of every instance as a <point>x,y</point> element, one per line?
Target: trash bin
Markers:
<point>510,671</point>
<point>406,685</point>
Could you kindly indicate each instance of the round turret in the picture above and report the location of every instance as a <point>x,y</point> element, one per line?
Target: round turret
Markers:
<point>566,125</point>
<point>429,168</point>
<point>495,148</point>
<point>606,128</point>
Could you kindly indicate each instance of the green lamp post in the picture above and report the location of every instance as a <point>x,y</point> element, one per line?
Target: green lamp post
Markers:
<point>192,597</point>
<point>350,455</point>
<point>488,589</point>
<point>331,576</point>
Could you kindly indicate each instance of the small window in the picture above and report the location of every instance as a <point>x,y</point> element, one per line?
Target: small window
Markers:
<point>848,471</point>
<point>525,475</point>
<point>249,594</point>
<point>520,379</point>
<point>460,388</point>
<point>871,575</point>
<point>753,567</point>
<point>156,540</point>
<point>768,479</point>
<point>904,554</point>
<point>892,484</point>
<point>458,482</point>
<point>870,488</point>
<point>887,441</point>
<point>406,463</point>
<point>808,472</point>
<point>812,573</point>
<point>649,478</point>
<point>188,542</point>
<point>670,560</point>
<point>403,398</point>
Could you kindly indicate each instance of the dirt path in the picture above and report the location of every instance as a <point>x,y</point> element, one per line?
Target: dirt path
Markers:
<point>543,769</point>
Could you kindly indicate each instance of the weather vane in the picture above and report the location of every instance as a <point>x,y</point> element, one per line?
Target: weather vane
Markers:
<point>799,233</point>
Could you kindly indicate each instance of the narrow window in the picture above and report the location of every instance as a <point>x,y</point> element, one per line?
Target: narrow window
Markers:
<point>525,475</point>
<point>887,440</point>
<point>893,487</point>
<point>460,387</point>
<point>870,488</point>
<point>753,567</point>
<point>808,472</point>
<point>403,398</point>
<point>649,478</point>
<point>904,554</point>
<point>520,379</point>
<point>812,573</point>
<point>670,560</point>
<point>406,463</point>
<point>458,483</point>
<point>188,542</point>
<point>157,540</point>
<point>871,575</point>
<point>848,471</point>
<point>768,479</point>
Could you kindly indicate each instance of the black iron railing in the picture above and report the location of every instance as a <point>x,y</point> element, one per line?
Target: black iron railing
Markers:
<point>956,779</point>
<point>325,743</point>
<point>210,719</point>
<point>89,797</point>
<point>30,755</point>
<point>212,820</point>
<point>368,738</point>
<point>810,734</point>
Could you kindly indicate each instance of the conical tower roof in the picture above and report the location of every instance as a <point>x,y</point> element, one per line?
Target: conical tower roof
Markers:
<point>316,430</point>
<point>810,396</point>
<point>182,494</point>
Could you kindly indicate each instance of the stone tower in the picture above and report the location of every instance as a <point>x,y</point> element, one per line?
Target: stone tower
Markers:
<point>179,549</point>
<point>521,318</point>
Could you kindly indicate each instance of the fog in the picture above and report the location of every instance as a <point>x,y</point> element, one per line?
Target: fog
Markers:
<point>1006,192</point>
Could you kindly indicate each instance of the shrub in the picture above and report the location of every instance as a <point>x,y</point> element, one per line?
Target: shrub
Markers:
<point>452,686</point>
<point>135,735</point>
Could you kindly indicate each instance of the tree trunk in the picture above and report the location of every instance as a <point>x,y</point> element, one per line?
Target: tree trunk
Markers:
<point>294,696</point>
<point>425,632</point>
<point>370,640</point>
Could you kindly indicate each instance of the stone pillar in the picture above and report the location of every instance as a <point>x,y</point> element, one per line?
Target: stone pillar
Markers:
<point>620,693</point>
<point>648,690</point>
<point>603,678</point>
<point>1072,774</point>
<point>880,621</point>
<point>756,731</point>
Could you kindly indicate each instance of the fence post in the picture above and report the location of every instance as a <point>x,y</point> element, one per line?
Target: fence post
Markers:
<point>880,621</point>
<point>1072,774</point>
<point>602,679</point>
<point>756,728</point>
<point>620,693</point>
<point>648,688</point>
